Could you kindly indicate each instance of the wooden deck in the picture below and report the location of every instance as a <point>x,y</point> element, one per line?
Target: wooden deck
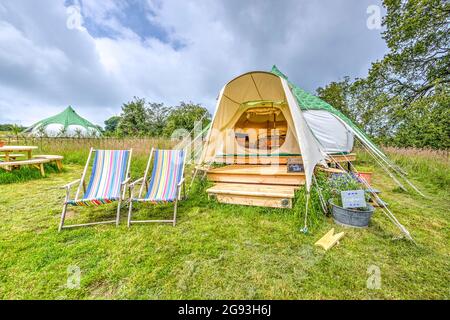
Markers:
<point>241,159</point>
<point>260,181</point>
<point>255,185</point>
<point>256,174</point>
<point>275,196</point>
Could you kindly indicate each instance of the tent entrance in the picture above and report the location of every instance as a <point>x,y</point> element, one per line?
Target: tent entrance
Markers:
<point>261,127</point>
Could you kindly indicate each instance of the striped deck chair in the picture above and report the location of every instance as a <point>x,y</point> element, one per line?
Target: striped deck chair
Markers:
<point>107,183</point>
<point>165,183</point>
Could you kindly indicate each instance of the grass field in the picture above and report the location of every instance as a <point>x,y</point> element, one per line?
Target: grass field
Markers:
<point>223,251</point>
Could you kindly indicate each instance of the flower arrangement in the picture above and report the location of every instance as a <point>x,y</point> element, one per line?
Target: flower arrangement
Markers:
<point>343,182</point>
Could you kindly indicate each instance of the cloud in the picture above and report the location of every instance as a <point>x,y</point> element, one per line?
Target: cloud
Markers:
<point>168,51</point>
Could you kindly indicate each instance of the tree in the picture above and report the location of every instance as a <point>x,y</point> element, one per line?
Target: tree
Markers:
<point>184,116</point>
<point>158,115</point>
<point>41,132</point>
<point>16,130</point>
<point>418,36</point>
<point>412,78</point>
<point>405,99</point>
<point>78,133</point>
<point>337,94</point>
<point>426,123</point>
<point>134,119</point>
<point>62,132</point>
<point>111,124</point>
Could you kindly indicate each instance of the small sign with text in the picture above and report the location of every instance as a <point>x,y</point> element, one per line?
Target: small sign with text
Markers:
<point>353,199</point>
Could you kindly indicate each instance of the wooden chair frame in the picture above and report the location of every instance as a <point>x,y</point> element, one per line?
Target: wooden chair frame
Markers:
<point>82,185</point>
<point>144,183</point>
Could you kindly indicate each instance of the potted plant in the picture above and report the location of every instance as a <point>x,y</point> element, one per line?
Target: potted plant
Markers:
<point>354,217</point>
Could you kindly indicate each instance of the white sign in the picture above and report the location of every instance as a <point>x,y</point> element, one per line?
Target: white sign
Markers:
<point>353,199</point>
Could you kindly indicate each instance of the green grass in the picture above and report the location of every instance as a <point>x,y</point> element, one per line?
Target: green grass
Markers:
<point>222,251</point>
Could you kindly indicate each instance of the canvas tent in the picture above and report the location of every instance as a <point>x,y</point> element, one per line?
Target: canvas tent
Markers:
<point>313,107</point>
<point>67,124</point>
<point>263,90</point>
<point>330,130</point>
<point>259,104</point>
<point>256,106</point>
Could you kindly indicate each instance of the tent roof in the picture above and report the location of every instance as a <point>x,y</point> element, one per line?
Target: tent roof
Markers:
<point>308,101</point>
<point>66,118</point>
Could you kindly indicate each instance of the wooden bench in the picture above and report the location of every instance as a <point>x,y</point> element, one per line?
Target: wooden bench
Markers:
<point>51,158</point>
<point>12,156</point>
<point>37,163</point>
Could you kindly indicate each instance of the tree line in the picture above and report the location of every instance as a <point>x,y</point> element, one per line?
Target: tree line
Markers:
<point>405,99</point>
<point>142,118</point>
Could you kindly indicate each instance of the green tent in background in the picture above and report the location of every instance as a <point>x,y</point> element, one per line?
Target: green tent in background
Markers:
<point>65,124</point>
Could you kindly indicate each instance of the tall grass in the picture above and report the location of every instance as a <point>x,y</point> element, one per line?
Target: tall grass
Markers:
<point>76,151</point>
<point>432,167</point>
<point>428,166</point>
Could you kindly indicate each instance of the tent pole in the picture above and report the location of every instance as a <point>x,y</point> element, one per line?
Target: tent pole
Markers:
<point>384,168</point>
<point>399,172</point>
<point>322,200</point>
<point>305,228</point>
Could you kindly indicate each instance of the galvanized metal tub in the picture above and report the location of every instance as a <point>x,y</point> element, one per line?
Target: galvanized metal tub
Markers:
<point>352,217</point>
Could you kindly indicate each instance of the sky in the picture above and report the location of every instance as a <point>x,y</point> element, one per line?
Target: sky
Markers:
<point>96,55</point>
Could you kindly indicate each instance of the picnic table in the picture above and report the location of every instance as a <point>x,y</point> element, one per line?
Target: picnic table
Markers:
<point>10,153</point>
<point>8,150</point>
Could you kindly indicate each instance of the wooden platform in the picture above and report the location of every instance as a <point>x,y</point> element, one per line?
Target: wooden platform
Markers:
<point>260,180</point>
<point>274,196</point>
<point>256,174</point>
<point>251,159</point>
<point>255,185</point>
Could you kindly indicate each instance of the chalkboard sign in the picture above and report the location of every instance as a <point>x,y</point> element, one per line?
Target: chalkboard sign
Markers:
<point>295,165</point>
<point>353,199</point>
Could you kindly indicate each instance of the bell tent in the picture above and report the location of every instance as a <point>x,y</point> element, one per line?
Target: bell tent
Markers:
<point>262,114</point>
<point>65,124</point>
<point>258,114</point>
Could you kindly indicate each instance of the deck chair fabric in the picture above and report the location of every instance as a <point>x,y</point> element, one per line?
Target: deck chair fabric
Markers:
<point>109,170</point>
<point>164,183</point>
<point>107,183</point>
<point>166,174</point>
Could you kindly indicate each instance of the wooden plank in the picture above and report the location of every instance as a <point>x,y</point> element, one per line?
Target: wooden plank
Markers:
<point>268,170</point>
<point>23,162</point>
<point>242,159</point>
<point>12,155</point>
<point>329,239</point>
<point>255,201</point>
<point>52,158</point>
<point>273,191</point>
<point>17,148</point>
<point>293,180</point>
<point>331,170</point>
<point>48,156</point>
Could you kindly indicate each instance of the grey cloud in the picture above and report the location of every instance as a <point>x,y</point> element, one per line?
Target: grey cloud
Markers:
<point>44,66</point>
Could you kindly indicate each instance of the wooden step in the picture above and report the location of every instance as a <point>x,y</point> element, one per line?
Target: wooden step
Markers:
<point>274,196</point>
<point>256,174</point>
<point>264,159</point>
